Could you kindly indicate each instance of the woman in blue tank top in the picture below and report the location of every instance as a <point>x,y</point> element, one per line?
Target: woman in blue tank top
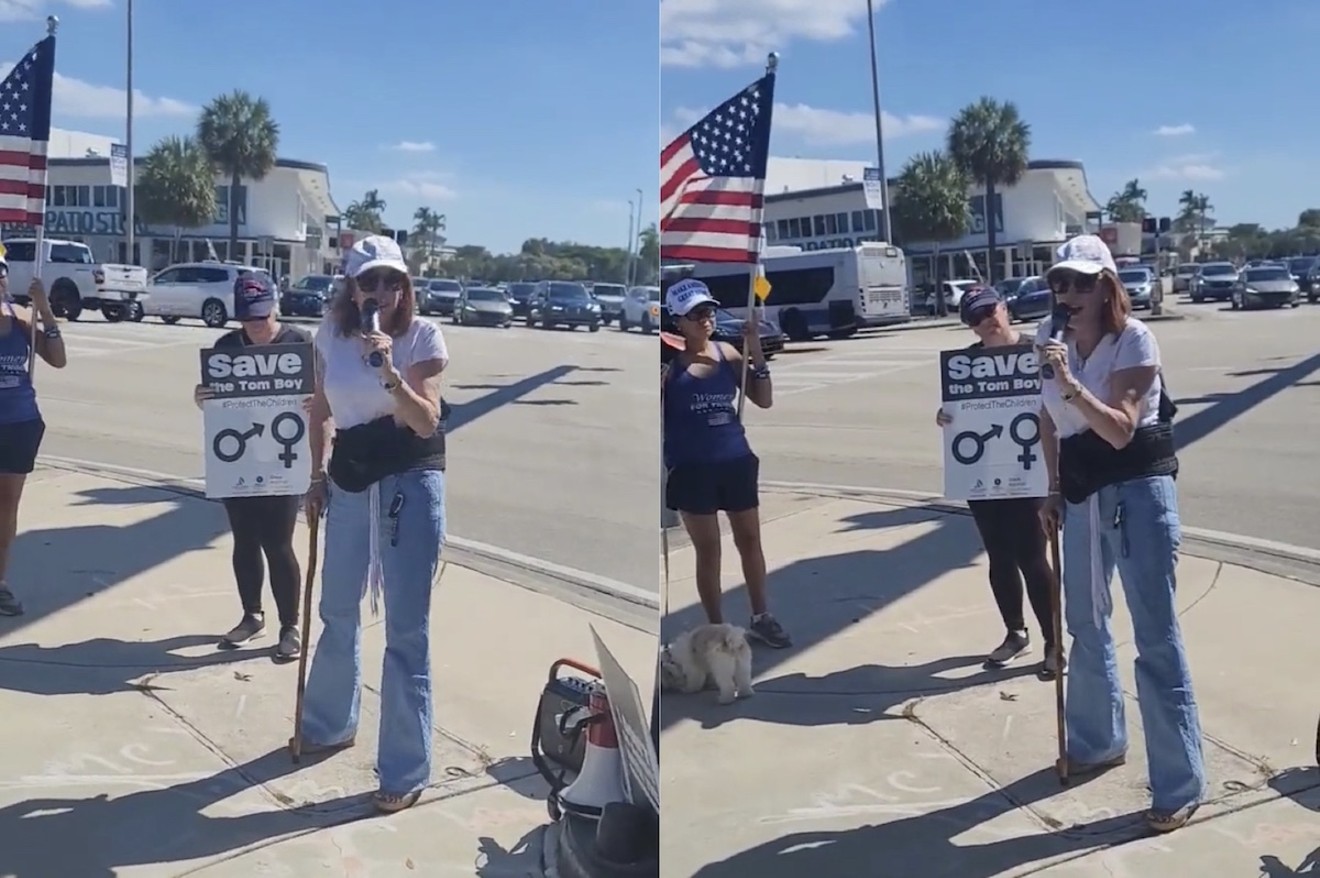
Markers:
<point>21,427</point>
<point>710,465</point>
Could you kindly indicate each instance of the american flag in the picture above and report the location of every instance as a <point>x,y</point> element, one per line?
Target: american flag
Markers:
<point>25,97</point>
<point>712,177</point>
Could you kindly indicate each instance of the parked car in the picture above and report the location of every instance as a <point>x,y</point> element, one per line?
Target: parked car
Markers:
<point>438,296</point>
<point>519,294</point>
<point>197,291</point>
<point>729,328</point>
<point>610,297</point>
<point>1311,283</point>
<point>1033,300</point>
<point>483,306</point>
<point>1216,281</point>
<point>1184,277</point>
<point>75,281</point>
<point>309,297</point>
<point>563,303</point>
<point>641,308</point>
<point>1300,267</point>
<point>1008,287</point>
<point>1269,286</point>
<point>1139,281</point>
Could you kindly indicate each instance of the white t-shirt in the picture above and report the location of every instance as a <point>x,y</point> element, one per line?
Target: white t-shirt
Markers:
<point>352,387</point>
<point>1134,346</point>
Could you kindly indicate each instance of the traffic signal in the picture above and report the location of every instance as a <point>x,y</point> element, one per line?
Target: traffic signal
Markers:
<point>1148,225</point>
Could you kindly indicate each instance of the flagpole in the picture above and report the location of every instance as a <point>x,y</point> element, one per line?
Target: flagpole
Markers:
<point>130,209</point>
<point>52,24</point>
<point>771,65</point>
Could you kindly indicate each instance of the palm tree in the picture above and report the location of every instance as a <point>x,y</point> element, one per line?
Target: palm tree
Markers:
<point>648,255</point>
<point>990,142</point>
<point>365,215</point>
<point>1129,204</point>
<point>930,204</point>
<point>241,140</point>
<point>1196,208</point>
<point>176,187</point>
<point>429,225</point>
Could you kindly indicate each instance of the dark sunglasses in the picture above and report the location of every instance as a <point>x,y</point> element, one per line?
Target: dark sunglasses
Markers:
<point>375,281</point>
<point>701,313</point>
<point>1062,281</point>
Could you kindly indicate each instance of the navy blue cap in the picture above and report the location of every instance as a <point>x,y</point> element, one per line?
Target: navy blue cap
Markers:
<point>254,298</point>
<point>976,302</point>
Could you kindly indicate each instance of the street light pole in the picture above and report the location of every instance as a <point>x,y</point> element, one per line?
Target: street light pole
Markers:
<point>627,265</point>
<point>879,126</point>
<point>130,211</point>
<point>635,247</point>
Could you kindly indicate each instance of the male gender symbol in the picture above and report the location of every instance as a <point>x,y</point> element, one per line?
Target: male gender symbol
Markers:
<point>978,441</point>
<point>1015,432</point>
<point>240,440</point>
<point>296,431</point>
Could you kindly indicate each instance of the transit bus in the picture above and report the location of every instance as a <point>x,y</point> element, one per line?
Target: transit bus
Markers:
<point>816,292</point>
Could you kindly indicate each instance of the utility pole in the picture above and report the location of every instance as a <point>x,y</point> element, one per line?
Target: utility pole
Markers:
<point>879,126</point>
<point>130,210</point>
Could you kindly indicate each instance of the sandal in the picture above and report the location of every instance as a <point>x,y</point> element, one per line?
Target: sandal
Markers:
<point>1166,821</point>
<point>311,748</point>
<point>391,803</point>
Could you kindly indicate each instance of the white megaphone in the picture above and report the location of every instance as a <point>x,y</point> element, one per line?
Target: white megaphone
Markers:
<point>600,781</point>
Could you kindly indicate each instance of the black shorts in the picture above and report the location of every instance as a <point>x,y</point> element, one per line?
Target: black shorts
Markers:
<point>18,446</point>
<point>707,488</point>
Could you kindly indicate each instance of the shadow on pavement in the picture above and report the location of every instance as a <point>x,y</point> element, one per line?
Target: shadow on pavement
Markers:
<point>523,857</point>
<point>464,413</point>
<point>105,665</point>
<point>1225,407</point>
<point>95,837</point>
<point>817,598</point>
<point>923,844</point>
<point>864,694</point>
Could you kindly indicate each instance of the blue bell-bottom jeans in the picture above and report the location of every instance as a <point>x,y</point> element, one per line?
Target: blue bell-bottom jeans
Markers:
<point>409,547</point>
<point>1137,531</point>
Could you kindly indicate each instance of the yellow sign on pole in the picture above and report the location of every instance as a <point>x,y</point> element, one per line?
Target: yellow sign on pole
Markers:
<point>761,287</point>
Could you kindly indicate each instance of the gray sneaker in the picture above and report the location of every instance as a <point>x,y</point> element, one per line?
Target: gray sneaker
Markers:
<point>1016,644</point>
<point>290,645</point>
<point>250,627</point>
<point>9,605</point>
<point>766,628</point>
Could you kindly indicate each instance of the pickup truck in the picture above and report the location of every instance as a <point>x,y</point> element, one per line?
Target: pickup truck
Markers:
<point>75,281</point>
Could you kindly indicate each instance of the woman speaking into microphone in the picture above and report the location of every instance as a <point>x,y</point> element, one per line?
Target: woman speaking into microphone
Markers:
<point>1107,437</point>
<point>378,380</point>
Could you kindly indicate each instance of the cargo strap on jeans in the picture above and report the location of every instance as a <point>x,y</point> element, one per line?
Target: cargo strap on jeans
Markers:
<point>375,569</point>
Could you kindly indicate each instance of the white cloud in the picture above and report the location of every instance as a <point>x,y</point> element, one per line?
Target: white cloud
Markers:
<point>1175,130</point>
<point>1193,167</point>
<point>73,97</point>
<point>735,33</point>
<point>821,127</point>
<point>29,10</point>
<point>430,185</point>
<point>413,146</point>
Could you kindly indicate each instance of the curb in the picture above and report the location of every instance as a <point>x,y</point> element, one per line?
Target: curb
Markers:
<point>495,556</point>
<point>1301,563</point>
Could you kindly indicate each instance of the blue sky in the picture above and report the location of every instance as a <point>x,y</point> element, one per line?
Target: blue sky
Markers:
<point>1207,96</point>
<point>497,114</point>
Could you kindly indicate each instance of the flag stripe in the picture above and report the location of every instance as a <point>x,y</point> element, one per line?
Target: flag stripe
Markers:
<point>25,98</point>
<point>697,253</point>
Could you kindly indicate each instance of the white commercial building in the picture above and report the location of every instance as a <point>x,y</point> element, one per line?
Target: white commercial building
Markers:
<point>287,222</point>
<point>818,204</point>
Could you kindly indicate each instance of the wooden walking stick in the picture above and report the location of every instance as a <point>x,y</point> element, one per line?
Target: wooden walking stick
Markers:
<point>1056,612</point>
<point>313,527</point>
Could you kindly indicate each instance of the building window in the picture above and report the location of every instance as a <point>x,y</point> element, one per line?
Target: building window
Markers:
<point>818,222</point>
<point>83,197</point>
<point>58,192</point>
<point>871,220</point>
<point>831,224</point>
<point>794,228</point>
<point>858,221</point>
<point>98,196</point>
<point>841,220</point>
<point>112,196</point>
<point>769,232</point>
<point>783,229</point>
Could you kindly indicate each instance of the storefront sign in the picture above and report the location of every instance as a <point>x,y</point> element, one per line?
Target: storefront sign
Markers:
<point>976,214</point>
<point>69,221</point>
<point>834,243</point>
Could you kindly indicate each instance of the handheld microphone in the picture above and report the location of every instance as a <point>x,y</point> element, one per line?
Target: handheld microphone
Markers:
<point>1058,326</point>
<point>371,323</point>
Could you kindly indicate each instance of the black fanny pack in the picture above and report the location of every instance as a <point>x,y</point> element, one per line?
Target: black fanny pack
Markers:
<point>367,453</point>
<point>1088,463</point>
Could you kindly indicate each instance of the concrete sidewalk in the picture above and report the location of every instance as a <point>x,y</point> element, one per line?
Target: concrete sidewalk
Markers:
<point>135,748</point>
<point>879,746</point>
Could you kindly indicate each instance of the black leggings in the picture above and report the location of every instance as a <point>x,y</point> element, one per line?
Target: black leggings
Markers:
<point>263,526</point>
<point>1016,544</point>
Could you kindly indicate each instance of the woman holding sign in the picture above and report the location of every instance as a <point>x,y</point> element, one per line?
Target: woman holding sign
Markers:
<point>1009,527</point>
<point>262,526</point>
<point>1107,436</point>
<point>378,379</point>
<point>21,425</point>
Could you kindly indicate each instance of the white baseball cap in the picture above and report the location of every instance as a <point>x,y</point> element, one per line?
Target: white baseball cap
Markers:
<point>686,295</point>
<point>374,251</point>
<point>1084,254</point>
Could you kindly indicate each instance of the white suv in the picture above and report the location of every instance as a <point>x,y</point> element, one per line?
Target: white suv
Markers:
<point>197,290</point>
<point>641,308</point>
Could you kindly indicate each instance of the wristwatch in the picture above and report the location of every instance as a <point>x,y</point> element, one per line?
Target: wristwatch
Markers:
<point>51,332</point>
<point>761,371</point>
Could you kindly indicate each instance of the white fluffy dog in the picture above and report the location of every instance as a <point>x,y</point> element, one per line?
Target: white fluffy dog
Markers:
<point>708,655</point>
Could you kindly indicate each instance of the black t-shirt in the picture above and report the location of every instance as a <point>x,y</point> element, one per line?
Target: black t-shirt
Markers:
<point>286,334</point>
